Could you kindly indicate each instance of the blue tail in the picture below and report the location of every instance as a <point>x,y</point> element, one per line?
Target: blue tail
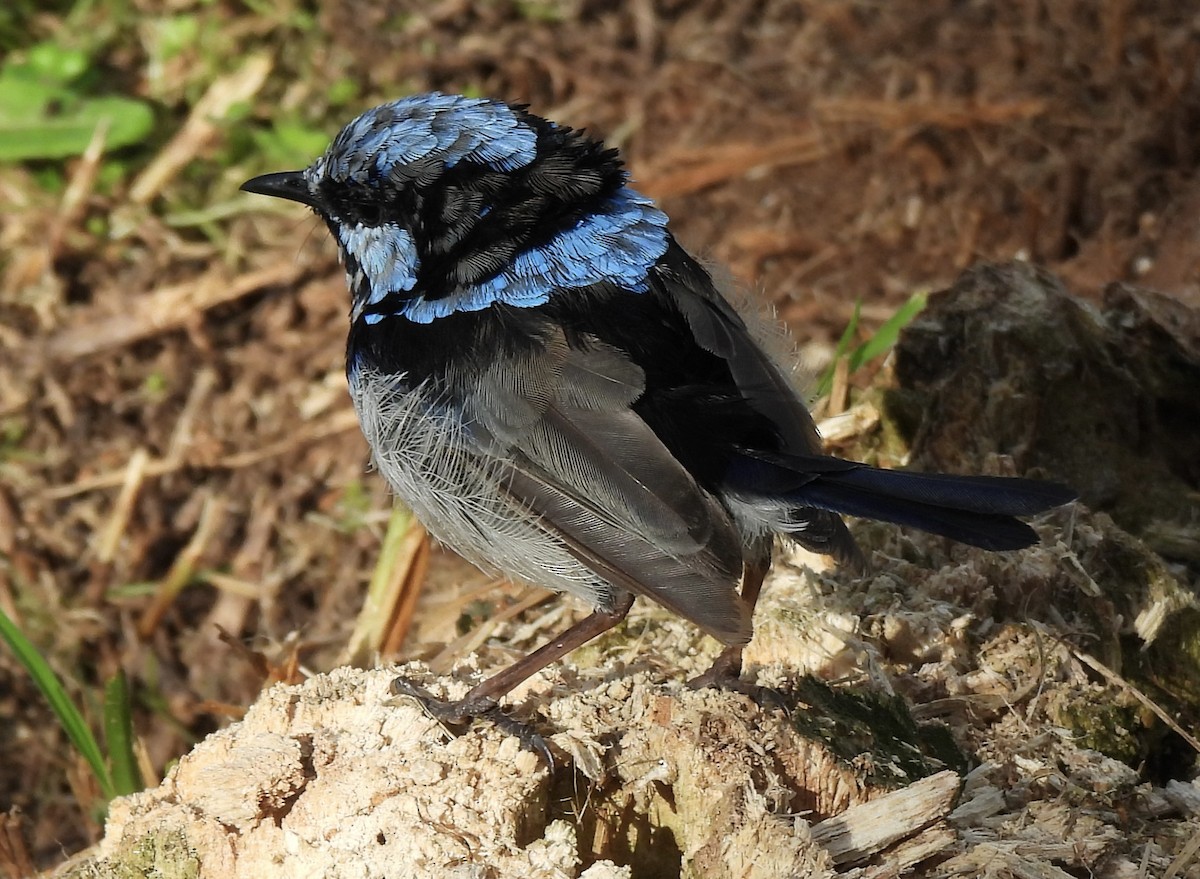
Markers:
<point>978,510</point>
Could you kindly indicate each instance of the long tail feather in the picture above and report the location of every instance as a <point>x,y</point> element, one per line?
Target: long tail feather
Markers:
<point>979,510</point>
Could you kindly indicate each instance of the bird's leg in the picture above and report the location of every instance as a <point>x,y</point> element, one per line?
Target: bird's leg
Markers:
<point>727,668</point>
<point>484,699</point>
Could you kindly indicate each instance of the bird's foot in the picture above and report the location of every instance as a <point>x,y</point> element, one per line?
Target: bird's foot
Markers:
<point>725,674</point>
<point>461,711</point>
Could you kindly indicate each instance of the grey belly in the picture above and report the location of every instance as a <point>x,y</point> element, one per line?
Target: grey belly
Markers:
<point>459,494</point>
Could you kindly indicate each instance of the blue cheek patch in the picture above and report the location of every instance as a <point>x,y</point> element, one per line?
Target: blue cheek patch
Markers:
<point>386,256</point>
<point>446,128</point>
<point>618,245</point>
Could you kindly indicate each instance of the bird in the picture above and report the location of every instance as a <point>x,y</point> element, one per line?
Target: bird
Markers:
<point>564,395</point>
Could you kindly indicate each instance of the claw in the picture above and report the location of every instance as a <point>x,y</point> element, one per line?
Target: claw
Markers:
<point>724,675</point>
<point>485,708</point>
<point>530,739</point>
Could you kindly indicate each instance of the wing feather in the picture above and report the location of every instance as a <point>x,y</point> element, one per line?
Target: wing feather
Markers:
<point>720,329</point>
<point>599,478</point>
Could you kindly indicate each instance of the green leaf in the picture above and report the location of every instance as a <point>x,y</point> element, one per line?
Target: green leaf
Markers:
<point>118,734</point>
<point>175,34</point>
<point>290,144</point>
<point>57,64</point>
<point>342,91</point>
<point>57,136</point>
<point>69,717</point>
<point>23,94</point>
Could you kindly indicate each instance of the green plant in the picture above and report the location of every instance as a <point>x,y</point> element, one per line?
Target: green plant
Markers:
<point>46,111</point>
<point>879,343</point>
<point>118,735</point>
<point>118,774</point>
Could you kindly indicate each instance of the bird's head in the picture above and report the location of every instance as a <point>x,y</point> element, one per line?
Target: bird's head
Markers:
<point>442,203</point>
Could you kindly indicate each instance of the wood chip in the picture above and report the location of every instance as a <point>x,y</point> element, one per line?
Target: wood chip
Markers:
<point>908,854</point>
<point>862,831</point>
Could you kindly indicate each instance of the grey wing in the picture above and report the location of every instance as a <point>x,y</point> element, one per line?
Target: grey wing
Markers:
<point>596,476</point>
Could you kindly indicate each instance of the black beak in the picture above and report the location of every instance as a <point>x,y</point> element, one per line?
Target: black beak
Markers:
<point>285,184</point>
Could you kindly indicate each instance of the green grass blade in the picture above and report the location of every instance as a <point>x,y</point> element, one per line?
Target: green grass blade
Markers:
<point>118,735</point>
<point>889,331</point>
<point>843,345</point>
<point>64,709</point>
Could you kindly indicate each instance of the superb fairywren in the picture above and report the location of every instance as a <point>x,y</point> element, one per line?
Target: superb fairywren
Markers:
<point>562,394</point>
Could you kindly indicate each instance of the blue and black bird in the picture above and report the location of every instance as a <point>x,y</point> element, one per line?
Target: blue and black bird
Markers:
<point>564,396</point>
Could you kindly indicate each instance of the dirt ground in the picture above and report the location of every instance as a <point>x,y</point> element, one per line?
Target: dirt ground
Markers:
<point>183,490</point>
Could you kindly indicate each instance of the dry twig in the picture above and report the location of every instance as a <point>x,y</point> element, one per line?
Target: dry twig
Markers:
<point>169,308</point>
